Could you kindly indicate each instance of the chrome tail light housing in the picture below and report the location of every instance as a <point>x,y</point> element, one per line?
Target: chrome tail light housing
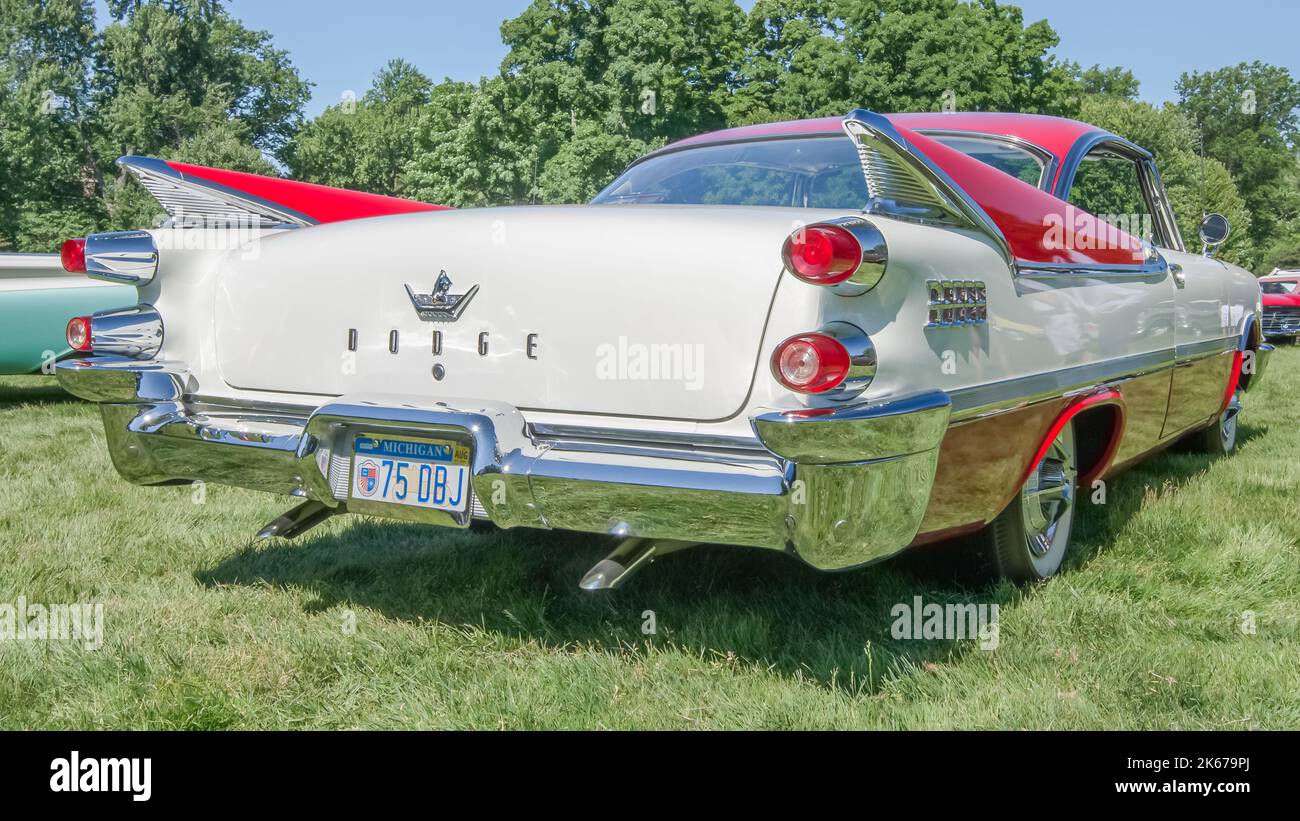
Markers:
<point>837,361</point>
<point>124,257</point>
<point>847,255</point>
<point>135,333</point>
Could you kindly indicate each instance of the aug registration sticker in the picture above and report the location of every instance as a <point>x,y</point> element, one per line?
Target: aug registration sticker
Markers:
<point>406,471</point>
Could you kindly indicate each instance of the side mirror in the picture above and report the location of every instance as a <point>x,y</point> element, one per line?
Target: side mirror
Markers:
<point>1214,231</point>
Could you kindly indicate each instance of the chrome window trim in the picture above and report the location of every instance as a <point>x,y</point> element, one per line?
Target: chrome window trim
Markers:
<point>1157,201</point>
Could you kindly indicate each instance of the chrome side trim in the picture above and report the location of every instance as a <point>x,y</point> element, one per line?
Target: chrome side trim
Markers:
<point>188,199</point>
<point>1191,351</point>
<point>1008,394</point>
<point>981,400</point>
<point>128,257</point>
<point>906,184</point>
<point>540,431</point>
<point>1054,270</point>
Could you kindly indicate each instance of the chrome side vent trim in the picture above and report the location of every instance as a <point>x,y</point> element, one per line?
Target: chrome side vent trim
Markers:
<point>957,302</point>
<point>890,181</point>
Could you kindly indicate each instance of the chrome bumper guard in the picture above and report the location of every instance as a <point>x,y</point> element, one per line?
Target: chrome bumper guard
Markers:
<point>838,488</point>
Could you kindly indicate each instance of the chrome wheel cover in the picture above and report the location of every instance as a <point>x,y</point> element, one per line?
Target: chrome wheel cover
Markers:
<point>1047,498</point>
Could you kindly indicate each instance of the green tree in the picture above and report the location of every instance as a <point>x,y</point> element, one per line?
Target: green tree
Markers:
<point>646,71</point>
<point>168,70</point>
<point>172,78</point>
<point>469,148</point>
<point>366,144</point>
<point>1107,82</point>
<point>1284,255</point>
<point>48,171</point>
<point>824,57</point>
<point>1248,121</point>
<point>1195,187</point>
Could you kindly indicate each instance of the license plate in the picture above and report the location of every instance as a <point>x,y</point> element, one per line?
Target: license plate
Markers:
<point>408,471</point>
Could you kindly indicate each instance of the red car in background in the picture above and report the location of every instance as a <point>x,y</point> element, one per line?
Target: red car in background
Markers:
<point>1281,297</point>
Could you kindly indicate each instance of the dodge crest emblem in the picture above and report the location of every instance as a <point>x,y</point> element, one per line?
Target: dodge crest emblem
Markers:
<point>440,305</point>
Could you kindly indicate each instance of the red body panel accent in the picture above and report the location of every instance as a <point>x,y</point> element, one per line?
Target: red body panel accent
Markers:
<point>320,202</point>
<point>1038,226</point>
<point>1234,376</point>
<point>1092,400</point>
<point>1280,300</point>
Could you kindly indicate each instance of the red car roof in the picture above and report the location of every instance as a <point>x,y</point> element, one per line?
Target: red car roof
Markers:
<point>1055,134</point>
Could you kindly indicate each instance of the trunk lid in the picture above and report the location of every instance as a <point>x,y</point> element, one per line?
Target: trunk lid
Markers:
<point>655,311</point>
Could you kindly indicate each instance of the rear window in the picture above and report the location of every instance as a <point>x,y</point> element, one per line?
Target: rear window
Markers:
<point>800,172</point>
<point>1278,287</point>
<point>816,172</point>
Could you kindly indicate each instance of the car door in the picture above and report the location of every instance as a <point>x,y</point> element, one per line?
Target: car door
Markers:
<point>1201,324</point>
<point>1110,181</point>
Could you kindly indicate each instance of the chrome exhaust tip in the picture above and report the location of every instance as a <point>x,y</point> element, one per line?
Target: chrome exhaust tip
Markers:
<point>298,520</point>
<point>630,556</point>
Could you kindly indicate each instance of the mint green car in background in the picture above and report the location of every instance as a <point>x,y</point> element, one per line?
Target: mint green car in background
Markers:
<point>37,298</point>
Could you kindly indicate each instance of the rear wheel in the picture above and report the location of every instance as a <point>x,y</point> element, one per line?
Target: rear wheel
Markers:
<point>1220,439</point>
<point>1027,542</point>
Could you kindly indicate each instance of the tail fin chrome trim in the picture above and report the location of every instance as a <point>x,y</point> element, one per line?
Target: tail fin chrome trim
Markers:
<point>188,199</point>
<point>904,183</point>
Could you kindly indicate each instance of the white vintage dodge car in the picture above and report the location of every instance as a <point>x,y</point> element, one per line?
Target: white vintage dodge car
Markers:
<point>833,338</point>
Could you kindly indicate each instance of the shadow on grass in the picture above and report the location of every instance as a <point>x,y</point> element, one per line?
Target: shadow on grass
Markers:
<point>32,390</point>
<point>726,605</point>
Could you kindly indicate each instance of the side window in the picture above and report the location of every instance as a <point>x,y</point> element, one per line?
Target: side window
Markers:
<point>1109,187</point>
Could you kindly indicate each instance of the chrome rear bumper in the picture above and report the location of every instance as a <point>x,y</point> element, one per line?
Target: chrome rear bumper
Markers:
<point>838,489</point>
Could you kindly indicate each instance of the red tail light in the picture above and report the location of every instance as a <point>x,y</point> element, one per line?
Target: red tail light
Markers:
<point>79,334</point>
<point>822,254</point>
<point>811,363</point>
<point>73,256</point>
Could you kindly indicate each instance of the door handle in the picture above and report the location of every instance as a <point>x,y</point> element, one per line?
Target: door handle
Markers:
<point>1180,279</point>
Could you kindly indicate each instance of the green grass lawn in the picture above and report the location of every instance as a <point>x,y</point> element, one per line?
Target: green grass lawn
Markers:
<point>205,627</point>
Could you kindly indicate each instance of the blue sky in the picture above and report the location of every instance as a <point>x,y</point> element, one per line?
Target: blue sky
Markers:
<point>339,44</point>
